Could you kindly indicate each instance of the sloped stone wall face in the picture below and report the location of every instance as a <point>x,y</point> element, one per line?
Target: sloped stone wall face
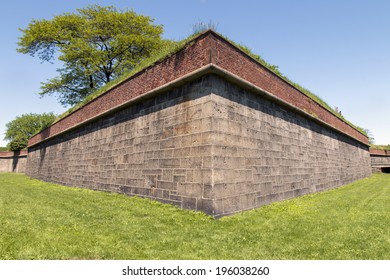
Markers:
<point>155,148</point>
<point>263,152</point>
<point>200,54</point>
<point>5,164</point>
<point>13,162</point>
<point>379,161</point>
<point>208,145</point>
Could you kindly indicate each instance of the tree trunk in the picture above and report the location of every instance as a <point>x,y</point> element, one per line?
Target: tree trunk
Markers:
<point>91,85</point>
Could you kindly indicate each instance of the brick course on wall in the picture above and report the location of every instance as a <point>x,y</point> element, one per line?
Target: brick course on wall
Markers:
<point>378,152</point>
<point>207,49</point>
<point>206,129</point>
<point>238,63</point>
<point>13,161</point>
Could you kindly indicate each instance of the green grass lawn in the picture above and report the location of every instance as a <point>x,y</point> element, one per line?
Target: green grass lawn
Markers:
<point>40,220</point>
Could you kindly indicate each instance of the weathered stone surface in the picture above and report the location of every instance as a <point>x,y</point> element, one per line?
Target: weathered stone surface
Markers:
<point>208,145</point>
<point>205,54</point>
<point>263,152</point>
<point>151,149</point>
<point>13,161</point>
<point>380,160</point>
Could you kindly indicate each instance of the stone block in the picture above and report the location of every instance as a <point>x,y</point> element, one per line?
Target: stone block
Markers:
<point>203,176</point>
<point>169,163</point>
<point>218,207</point>
<point>135,182</point>
<point>190,189</point>
<point>208,191</point>
<point>249,201</point>
<point>206,206</point>
<point>189,203</point>
<point>166,185</point>
<point>224,189</point>
<point>232,204</point>
<point>179,178</point>
<point>191,162</point>
<point>181,152</point>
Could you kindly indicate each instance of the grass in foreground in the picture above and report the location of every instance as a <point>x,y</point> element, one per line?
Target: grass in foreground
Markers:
<point>40,220</point>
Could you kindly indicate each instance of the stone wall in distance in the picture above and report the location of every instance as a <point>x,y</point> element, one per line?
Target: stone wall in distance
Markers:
<point>380,161</point>
<point>13,161</point>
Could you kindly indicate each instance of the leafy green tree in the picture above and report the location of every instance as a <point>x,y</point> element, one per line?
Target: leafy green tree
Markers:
<point>23,127</point>
<point>96,45</point>
<point>370,136</point>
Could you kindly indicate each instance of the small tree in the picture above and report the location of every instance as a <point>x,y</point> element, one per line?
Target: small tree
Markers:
<point>96,44</point>
<point>23,127</point>
<point>370,136</point>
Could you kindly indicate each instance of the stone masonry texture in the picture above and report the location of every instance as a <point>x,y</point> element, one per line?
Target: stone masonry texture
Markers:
<point>380,160</point>
<point>206,129</point>
<point>13,161</point>
<point>205,50</point>
<point>208,145</point>
<point>156,148</point>
<point>263,152</point>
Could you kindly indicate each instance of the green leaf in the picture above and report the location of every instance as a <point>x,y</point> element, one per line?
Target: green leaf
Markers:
<point>24,127</point>
<point>96,45</point>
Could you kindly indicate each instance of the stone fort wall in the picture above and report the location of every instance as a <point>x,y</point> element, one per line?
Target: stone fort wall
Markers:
<point>208,146</point>
<point>380,160</point>
<point>206,129</point>
<point>265,152</point>
<point>13,161</point>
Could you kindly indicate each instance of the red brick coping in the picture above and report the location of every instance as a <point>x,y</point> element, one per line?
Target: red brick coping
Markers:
<point>207,53</point>
<point>378,152</point>
<point>13,154</point>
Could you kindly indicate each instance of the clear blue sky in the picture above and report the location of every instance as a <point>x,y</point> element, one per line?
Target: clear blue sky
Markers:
<point>339,50</point>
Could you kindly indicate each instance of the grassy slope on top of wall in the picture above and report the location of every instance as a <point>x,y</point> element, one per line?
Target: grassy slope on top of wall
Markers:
<point>172,47</point>
<point>381,147</point>
<point>41,220</point>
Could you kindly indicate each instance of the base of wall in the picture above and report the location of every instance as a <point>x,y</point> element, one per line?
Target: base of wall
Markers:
<point>381,170</point>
